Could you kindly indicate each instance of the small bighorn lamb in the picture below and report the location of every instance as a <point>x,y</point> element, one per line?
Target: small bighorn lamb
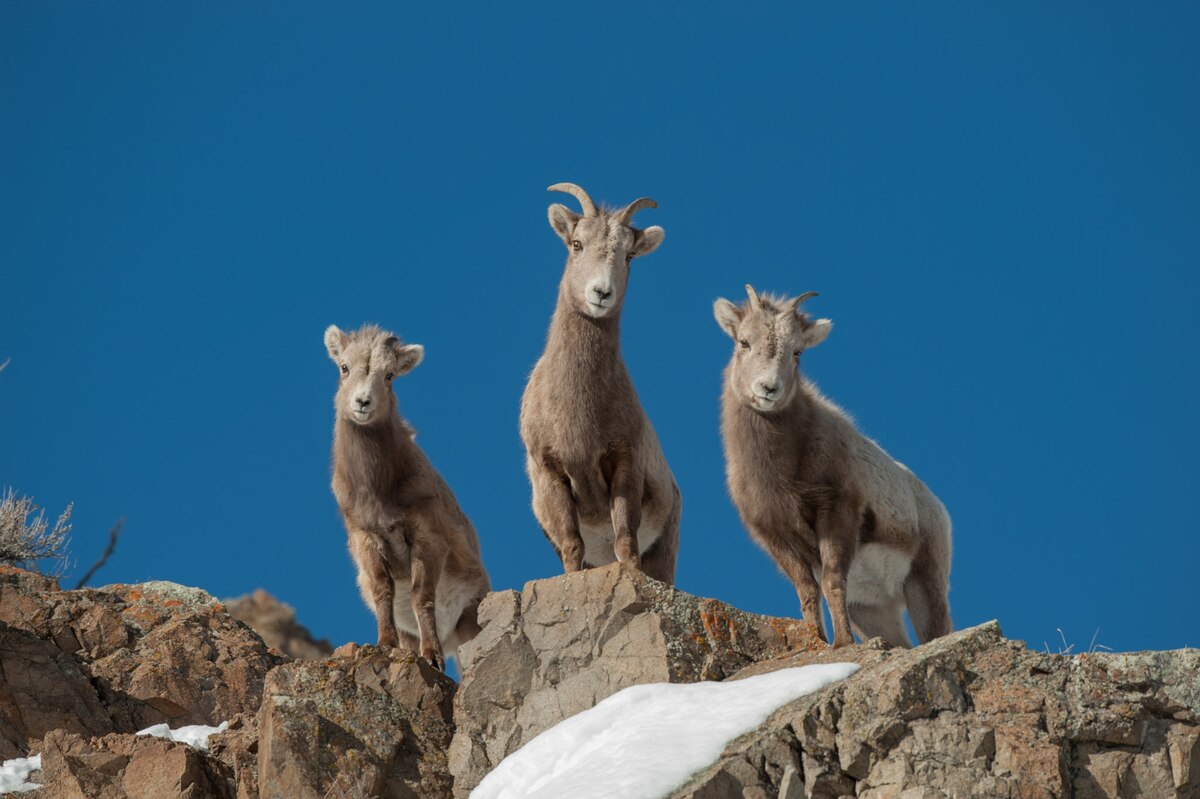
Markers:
<point>602,490</point>
<point>418,559</point>
<point>827,503</point>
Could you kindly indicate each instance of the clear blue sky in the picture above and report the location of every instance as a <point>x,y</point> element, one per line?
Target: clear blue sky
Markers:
<point>1000,205</point>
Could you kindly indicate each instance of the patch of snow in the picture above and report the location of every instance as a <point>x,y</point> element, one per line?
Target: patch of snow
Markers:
<point>194,735</point>
<point>14,773</point>
<point>645,741</point>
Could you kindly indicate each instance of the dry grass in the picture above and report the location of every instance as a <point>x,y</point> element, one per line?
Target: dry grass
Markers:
<point>27,539</point>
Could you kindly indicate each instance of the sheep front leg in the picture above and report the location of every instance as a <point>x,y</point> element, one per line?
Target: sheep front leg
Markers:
<point>427,561</point>
<point>375,584</point>
<point>837,542</point>
<point>787,556</point>
<point>625,488</point>
<point>555,511</point>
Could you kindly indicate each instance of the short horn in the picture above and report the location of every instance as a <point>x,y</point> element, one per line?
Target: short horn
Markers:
<point>753,295</point>
<point>626,215</point>
<point>589,207</point>
<point>794,305</point>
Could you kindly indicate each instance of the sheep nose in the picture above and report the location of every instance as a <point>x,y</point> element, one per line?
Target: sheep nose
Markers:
<point>601,293</point>
<point>363,402</point>
<point>768,389</point>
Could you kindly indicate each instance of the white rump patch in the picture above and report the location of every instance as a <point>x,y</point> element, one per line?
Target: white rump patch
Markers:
<point>877,575</point>
<point>645,741</point>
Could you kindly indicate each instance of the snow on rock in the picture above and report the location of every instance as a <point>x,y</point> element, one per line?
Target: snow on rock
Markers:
<point>645,741</point>
<point>193,735</point>
<point>14,773</point>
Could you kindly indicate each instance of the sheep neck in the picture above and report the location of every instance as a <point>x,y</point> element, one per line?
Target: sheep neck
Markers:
<point>577,340</point>
<point>380,455</point>
<point>771,442</point>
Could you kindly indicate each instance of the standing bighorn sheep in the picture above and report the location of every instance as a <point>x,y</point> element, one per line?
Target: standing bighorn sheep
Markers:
<point>418,559</point>
<point>827,503</point>
<point>602,490</point>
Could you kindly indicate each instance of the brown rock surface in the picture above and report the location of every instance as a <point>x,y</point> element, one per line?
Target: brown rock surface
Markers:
<point>367,722</point>
<point>276,622</point>
<point>564,643</point>
<point>118,659</point>
<point>119,766</point>
<point>971,715</point>
<point>968,715</point>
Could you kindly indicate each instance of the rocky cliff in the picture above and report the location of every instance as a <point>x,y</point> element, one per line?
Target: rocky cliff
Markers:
<point>969,715</point>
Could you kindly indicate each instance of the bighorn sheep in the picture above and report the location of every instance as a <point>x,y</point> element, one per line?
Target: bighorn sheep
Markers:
<point>826,502</point>
<point>418,559</point>
<point>602,490</point>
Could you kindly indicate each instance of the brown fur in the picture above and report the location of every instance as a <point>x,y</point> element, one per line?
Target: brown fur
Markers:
<point>593,459</point>
<point>406,530</point>
<point>813,491</point>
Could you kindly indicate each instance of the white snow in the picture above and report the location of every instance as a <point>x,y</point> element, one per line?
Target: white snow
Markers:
<point>645,741</point>
<point>194,735</point>
<point>14,772</point>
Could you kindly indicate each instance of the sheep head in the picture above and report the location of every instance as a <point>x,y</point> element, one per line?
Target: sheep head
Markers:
<point>769,334</point>
<point>368,360</point>
<point>601,244</point>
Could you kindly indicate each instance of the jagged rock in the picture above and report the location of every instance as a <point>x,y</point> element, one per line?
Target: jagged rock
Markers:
<point>119,659</point>
<point>564,643</point>
<point>367,722</point>
<point>968,715</point>
<point>276,622</point>
<point>973,714</point>
<point>120,766</point>
<point>237,749</point>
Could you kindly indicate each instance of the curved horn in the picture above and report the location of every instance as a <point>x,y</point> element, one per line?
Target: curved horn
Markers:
<point>794,304</point>
<point>755,303</point>
<point>628,211</point>
<point>589,207</point>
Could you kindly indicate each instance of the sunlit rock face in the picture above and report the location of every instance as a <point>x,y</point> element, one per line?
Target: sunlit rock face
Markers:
<point>970,714</point>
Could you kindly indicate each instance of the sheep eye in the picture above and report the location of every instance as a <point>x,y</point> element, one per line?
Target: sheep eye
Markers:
<point>390,375</point>
<point>629,258</point>
<point>796,354</point>
<point>345,369</point>
<point>744,344</point>
<point>577,245</point>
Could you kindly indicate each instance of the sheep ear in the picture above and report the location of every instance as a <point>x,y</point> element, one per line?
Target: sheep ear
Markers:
<point>407,357</point>
<point>335,341</point>
<point>817,332</point>
<point>727,315</point>
<point>647,241</point>
<point>563,220</point>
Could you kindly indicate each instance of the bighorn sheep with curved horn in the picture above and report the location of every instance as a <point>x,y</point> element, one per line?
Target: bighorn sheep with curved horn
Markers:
<point>418,559</point>
<point>602,490</point>
<point>830,506</point>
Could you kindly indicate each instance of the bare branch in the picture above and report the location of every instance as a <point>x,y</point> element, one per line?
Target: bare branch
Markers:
<point>113,535</point>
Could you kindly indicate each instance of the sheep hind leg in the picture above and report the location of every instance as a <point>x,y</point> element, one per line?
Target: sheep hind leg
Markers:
<point>467,626</point>
<point>928,606</point>
<point>659,560</point>
<point>880,621</point>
